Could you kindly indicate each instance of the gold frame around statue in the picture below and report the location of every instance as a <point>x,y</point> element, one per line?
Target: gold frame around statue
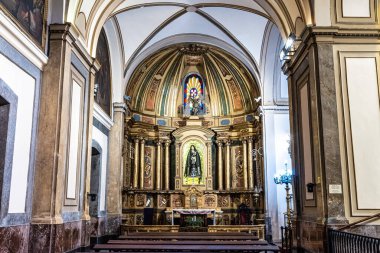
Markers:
<point>202,151</point>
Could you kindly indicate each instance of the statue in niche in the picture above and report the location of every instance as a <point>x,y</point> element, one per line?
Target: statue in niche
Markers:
<point>195,102</point>
<point>193,164</point>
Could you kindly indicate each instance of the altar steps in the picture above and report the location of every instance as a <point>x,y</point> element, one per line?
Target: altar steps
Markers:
<point>187,242</point>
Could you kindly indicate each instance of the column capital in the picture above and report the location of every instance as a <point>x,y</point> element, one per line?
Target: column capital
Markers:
<point>167,143</point>
<point>120,107</point>
<point>159,142</point>
<point>220,143</point>
<point>142,139</point>
<point>244,140</point>
<point>227,142</point>
<point>250,139</point>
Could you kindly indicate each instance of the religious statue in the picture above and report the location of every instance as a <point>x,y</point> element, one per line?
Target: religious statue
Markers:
<point>193,164</point>
<point>195,105</point>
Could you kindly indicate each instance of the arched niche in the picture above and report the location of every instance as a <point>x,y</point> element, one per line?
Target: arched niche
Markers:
<point>200,138</point>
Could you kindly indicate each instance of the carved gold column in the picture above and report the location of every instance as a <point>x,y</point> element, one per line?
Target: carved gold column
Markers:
<point>158,166</point>
<point>244,141</point>
<point>142,162</point>
<point>136,164</point>
<point>250,163</point>
<point>177,183</point>
<point>220,165</point>
<point>167,168</point>
<point>228,164</point>
<point>209,179</point>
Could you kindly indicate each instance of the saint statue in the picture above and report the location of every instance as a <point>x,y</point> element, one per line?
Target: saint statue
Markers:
<point>193,163</point>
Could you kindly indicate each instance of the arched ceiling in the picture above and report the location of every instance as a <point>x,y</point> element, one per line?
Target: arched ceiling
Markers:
<point>143,26</point>
<point>156,87</point>
<point>219,18</point>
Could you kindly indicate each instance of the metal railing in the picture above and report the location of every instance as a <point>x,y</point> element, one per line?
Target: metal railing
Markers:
<point>346,242</point>
<point>343,242</point>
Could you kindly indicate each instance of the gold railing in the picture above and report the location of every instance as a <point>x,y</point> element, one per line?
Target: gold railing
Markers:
<point>257,230</point>
<point>125,229</point>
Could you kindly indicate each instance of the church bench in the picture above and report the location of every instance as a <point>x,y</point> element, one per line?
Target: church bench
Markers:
<point>167,242</point>
<point>189,237</point>
<point>188,233</point>
<point>194,247</point>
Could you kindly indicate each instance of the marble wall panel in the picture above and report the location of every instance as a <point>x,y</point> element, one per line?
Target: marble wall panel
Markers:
<point>58,237</point>
<point>14,239</point>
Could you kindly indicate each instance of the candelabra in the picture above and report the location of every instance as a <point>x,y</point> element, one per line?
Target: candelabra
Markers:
<point>286,178</point>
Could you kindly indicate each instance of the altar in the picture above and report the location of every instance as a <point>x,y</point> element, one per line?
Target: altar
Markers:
<point>195,212</point>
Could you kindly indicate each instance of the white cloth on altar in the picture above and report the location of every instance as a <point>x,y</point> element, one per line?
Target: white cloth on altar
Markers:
<point>194,211</point>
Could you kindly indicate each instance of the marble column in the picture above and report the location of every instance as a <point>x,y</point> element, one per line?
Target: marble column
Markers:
<point>158,166</point>
<point>220,165</point>
<point>66,58</point>
<point>250,163</point>
<point>136,163</point>
<point>167,164</point>
<point>245,162</point>
<point>115,169</point>
<point>228,165</point>
<point>142,162</point>
<point>90,111</point>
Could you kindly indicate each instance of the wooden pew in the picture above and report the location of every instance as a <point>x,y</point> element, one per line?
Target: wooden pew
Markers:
<point>194,247</point>
<point>136,242</point>
<point>188,233</point>
<point>188,237</point>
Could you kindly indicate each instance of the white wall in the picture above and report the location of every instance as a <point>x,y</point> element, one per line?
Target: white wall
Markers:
<point>356,8</point>
<point>23,85</point>
<point>276,137</point>
<point>102,139</point>
<point>75,126</point>
<point>363,93</point>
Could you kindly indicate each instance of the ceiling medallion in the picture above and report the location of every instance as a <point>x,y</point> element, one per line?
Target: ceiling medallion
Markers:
<point>193,50</point>
<point>193,54</point>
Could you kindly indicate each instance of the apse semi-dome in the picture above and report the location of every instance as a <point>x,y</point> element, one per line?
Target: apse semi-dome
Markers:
<point>158,86</point>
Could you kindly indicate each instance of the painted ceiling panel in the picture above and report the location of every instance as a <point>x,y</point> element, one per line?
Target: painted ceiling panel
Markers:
<point>244,3</point>
<point>250,34</point>
<point>137,24</point>
<point>191,23</point>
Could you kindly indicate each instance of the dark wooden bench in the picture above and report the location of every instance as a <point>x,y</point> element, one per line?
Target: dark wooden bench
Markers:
<point>167,242</point>
<point>188,237</point>
<point>194,247</point>
<point>189,233</point>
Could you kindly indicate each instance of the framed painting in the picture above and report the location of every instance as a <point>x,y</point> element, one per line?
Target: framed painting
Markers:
<point>29,14</point>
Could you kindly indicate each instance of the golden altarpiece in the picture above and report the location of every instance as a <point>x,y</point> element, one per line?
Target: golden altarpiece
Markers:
<point>193,139</point>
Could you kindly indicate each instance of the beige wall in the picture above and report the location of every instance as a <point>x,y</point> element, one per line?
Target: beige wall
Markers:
<point>357,79</point>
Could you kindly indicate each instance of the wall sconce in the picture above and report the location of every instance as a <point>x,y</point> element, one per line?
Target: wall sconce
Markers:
<point>288,49</point>
<point>310,187</point>
<point>92,196</point>
<point>96,89</point>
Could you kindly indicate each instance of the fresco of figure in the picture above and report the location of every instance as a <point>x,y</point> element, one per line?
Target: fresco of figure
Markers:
<point>193,164</point>
<point>29,13</point>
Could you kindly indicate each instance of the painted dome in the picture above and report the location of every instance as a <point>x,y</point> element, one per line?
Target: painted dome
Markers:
<point>160,85</point>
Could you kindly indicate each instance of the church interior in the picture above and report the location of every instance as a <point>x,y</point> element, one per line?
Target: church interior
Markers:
<point>193,125</point>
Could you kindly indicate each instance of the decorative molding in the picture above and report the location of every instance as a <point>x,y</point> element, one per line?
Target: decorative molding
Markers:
<point>103,118</point>
<point>20,41</point>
